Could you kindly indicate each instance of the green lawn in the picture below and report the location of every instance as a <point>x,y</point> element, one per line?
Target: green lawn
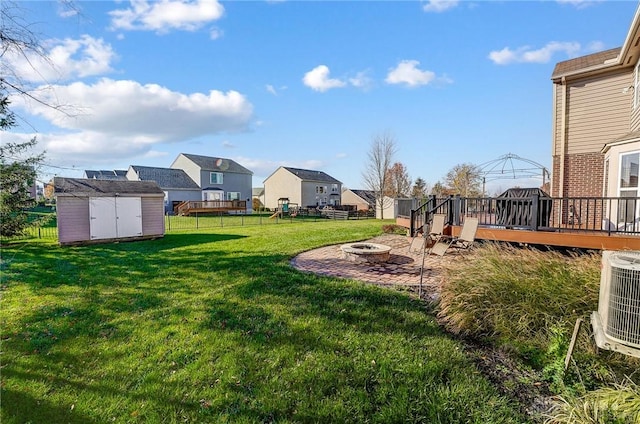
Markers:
<point>215,327</point>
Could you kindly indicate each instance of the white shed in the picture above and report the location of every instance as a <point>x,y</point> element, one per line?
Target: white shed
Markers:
<point>105,211</point>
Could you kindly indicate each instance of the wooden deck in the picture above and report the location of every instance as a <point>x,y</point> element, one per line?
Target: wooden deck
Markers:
<point>211,206</point>
<point>583,239</point>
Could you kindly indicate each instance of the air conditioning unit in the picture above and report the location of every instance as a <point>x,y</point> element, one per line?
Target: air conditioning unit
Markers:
<point>616,323</point>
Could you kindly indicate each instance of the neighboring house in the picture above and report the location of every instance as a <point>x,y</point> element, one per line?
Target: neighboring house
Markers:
<point>175,183</point>
<point>91,210</point>
<point>363,200</point>
<point>218,178</point>
<point>304,187</point>
<point>117,175</point>
<point>257,193</point>
<point>596,125</point>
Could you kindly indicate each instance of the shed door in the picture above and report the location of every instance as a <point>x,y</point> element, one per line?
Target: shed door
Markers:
<point>102,215</point>
<point>114,217</point>
<point>129,216</point>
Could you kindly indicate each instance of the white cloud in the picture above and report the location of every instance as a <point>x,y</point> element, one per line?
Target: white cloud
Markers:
<point>228,145</point>
<point>361,80</point>
<point>125,118</point>
<point>215,33</point>
<point>271,89</point>
<point>407,73</point>
<point>318,79</point>
<point>164,15</point>
<point>580,4</point>
<point>439,5</point>
<point>525,54</point>
<point>62,60</point>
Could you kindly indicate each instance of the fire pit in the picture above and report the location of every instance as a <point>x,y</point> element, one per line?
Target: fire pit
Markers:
<point>365,252</point>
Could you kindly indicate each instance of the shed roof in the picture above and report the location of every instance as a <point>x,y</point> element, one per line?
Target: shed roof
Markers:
<point>311,175</point>
<point>88,187</point>
<point>209,163</point>
<point>167,178</point>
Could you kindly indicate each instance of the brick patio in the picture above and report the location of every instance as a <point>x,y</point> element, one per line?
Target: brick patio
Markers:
<point>402,271</point>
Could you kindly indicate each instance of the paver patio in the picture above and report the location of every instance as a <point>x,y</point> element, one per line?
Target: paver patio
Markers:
<point>402,271</point>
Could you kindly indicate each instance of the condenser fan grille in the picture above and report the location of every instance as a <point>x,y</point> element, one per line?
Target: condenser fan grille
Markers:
<point>623,318</point>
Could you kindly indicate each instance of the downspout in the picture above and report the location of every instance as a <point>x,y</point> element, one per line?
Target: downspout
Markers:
<point>563,135</point>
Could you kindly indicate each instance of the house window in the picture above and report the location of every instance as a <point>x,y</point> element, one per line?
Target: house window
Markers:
<point>233,195</point>
<point>334,188</point>
<point>215,178</point>
<point>321,189</point>
<point>629,172</point>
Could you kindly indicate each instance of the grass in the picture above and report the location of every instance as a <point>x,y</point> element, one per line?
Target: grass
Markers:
<point>526,302</point>
<point>216,326</point>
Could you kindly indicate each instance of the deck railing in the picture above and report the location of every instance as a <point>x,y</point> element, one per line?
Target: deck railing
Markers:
<point>212,205</point>
<point>609,215</point>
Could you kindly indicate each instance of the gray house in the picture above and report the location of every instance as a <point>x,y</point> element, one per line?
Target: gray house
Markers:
<point>218,178</point>
<point>90,211</point>
<point>175,183</point>
<point>303,187</point>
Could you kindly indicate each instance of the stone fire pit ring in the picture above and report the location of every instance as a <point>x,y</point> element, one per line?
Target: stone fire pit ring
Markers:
<point>365,252</point>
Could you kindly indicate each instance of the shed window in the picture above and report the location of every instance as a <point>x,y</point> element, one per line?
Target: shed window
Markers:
<point>216,178</point>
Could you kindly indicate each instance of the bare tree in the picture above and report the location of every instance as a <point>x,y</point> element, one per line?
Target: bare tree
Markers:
<point>379,160</point>
<point>398,181</point>
<point>18,163</point>
<point>464,179</point>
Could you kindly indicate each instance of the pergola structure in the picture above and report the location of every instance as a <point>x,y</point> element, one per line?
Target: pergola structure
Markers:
<point>512,167</point>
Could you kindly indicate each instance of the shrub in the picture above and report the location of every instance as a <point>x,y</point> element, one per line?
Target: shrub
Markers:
<point>527,301</point>
<point>613,404</point>
<point>510,293</point>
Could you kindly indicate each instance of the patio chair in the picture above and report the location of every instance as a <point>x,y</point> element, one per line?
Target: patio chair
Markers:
<point>436,228</point>
<point>464,240</point>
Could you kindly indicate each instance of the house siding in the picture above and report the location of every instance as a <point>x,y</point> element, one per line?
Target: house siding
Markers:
<point>350,198</point>
<point>231,181</point>
<point>635,112</point>
<point>73,219</point>
<point>190,168</point>
<point>597,111</point>
<point>280,184</point>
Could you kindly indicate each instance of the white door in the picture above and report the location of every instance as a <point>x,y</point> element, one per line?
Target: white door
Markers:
<point>102,215</point>
<point>113,217</point>
<point>214,195</point>
<point>129,216</point>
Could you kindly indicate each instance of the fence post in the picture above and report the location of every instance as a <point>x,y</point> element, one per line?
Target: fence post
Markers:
<point>197,223</point>
<point>455,210</point>
<point>535,201</point>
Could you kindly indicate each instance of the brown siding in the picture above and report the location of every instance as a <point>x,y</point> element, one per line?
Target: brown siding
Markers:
<point>597,112</point>
<point>152,216</point>
<point>635,113</point>
<point>557,119</point>
<point>73,219</point>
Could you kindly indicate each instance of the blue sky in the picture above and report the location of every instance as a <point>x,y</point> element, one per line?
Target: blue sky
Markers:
<point>300,83</point>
